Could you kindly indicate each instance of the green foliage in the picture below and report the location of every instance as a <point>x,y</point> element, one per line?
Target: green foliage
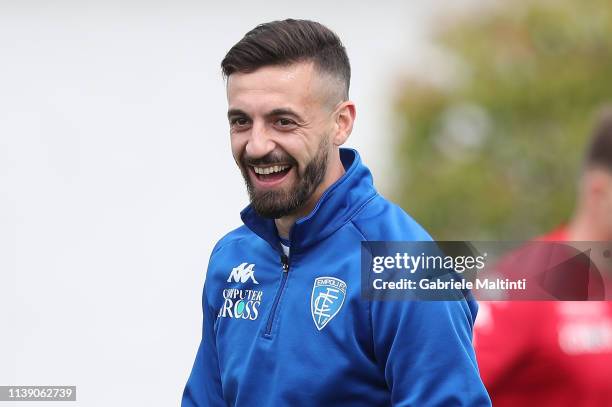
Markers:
<point>497,154</point>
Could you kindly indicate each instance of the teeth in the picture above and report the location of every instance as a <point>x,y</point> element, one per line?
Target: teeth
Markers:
<point>270,170</point>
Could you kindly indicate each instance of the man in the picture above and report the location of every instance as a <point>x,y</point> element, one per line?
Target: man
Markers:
<point>284,324</point>
<point>558,353</point>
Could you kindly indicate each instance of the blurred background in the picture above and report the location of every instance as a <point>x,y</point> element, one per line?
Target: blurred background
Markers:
<point>506,122</point>
<point>116,176</point>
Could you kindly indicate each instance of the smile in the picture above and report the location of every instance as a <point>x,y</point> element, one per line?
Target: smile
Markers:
<point>270,176</point>
<point>270,170</point>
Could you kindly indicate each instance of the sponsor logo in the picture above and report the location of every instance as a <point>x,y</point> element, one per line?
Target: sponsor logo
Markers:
<point>242,274</point>
<point>326,300</point>
<point>241,303</point>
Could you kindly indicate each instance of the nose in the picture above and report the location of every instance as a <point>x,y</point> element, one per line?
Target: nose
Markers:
<point>259,143</point>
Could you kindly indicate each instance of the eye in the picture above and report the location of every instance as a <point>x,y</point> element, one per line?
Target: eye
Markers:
<point>238,122</point>
<point>284,122</point>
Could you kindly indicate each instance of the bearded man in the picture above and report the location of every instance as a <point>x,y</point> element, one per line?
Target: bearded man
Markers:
<point>284,322</point>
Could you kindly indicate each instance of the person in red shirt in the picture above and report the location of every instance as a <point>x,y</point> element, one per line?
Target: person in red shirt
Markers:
<point>557,353</point>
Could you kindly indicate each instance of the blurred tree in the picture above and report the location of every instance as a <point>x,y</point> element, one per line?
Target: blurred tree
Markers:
<point>497,153</point>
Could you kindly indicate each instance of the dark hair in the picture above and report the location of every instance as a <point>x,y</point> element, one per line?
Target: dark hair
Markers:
<point>599,152</point>
<point>286,42</point>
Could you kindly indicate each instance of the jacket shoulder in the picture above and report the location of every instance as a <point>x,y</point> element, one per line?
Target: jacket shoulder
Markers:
<point>233,237</point>
<point>381,219</point>
<point>223,256</point>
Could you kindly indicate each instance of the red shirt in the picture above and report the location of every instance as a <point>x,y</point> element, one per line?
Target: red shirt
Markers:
<point>546,353</point>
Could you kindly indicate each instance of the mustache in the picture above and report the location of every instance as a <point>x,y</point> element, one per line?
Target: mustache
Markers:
<point>268,159</point>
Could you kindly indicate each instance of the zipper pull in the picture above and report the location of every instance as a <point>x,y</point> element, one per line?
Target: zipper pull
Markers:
<point>285,263</point>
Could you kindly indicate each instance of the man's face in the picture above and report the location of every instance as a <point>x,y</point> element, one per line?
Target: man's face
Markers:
<point>280,124</point>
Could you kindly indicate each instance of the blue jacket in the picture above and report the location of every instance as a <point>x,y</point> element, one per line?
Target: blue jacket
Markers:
<point>295,332</point>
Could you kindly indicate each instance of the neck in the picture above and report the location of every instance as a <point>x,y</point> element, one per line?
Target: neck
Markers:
<point>583,227</point>
<point>334,172</point>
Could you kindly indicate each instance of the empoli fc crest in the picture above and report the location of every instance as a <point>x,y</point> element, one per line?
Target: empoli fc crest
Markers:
<point>326,300</point>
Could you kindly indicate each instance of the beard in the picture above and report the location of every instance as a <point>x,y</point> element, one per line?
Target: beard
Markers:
<point>275,204</point>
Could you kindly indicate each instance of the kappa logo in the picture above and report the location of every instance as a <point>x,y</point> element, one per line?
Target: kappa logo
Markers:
<point>242,273</point>
<point>239,303</point>
<point>326,300</point>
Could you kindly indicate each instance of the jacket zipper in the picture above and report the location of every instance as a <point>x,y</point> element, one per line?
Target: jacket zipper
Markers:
<point>285,266</point>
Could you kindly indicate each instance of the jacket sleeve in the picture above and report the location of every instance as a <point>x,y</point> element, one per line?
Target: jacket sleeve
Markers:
<point>425,350</point>
<point>203,387</point>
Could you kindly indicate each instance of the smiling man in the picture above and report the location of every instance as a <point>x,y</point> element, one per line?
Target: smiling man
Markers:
<point>284,322</point>
<point>285,123</point>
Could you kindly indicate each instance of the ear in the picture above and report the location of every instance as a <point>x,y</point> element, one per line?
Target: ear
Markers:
<point>343,126</point>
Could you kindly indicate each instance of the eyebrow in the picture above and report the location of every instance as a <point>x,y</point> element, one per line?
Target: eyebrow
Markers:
<point>236,112</point>
<point>284,111</point>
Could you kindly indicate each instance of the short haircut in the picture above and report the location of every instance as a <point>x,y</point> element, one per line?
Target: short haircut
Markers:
<point>286,42</point>
<point>599,152</point>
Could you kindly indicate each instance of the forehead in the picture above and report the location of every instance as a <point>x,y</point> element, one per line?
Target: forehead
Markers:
<point>297,86</point>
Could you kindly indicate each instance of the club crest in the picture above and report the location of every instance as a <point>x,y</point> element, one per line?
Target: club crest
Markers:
<point>326,300</point>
